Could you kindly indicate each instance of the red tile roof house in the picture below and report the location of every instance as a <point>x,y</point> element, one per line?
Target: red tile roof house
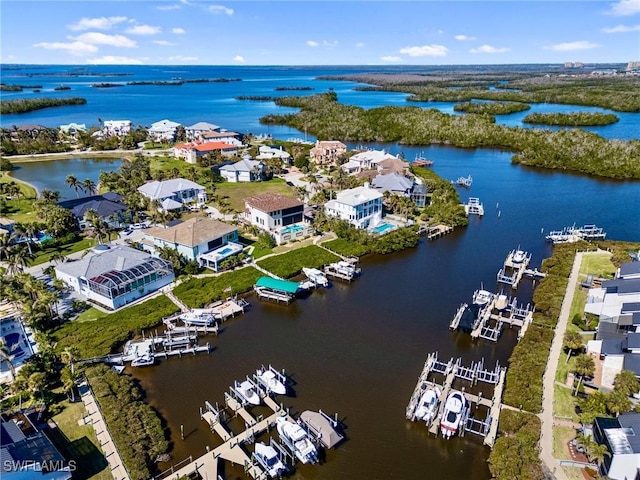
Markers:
<point>327,151</point>
<point>193,150</point>
<point>278,215</point>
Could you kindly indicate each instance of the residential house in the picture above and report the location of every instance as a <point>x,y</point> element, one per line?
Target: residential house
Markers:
<point>401,185</point>
<point>7,226</point>
<point>393,165</point>
<point>107,206</point>
<point>361,206</point>
<point>232,138</point>
<point>621,436</point>
<point>72,129</point>
<point>174,194</point>
<point>163,131</point>
<point>191,151</point>
<point>327,152</point>
<point>245,170</point>
<point>279,215</point>
<point>114,276</point>
<point>367,160</point>
<point>195,131</point>
<point>29,130</point>
<point>266,152</point>
<point>28,453</point>
<point>18,339</point>
<point>118,128</point>
<point>205,240</point>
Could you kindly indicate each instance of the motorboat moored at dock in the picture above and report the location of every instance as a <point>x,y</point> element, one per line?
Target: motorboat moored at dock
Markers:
<point>297,439</point>
<point>482,297</point>
<point>316,276</point>
<point>198,317</point>
<point>428,405</point>
<point>272,380</point>
<point>248,392</point>
<point>454,410</point>
<point>268,457</point>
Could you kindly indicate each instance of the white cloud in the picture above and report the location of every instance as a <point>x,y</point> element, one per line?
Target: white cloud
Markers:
<point>425,51</point>
<point>239,58</point>
<point>625,8</point>
<point>220,9</point>
<point>102,23</point>
<point>571,46</point>
<point>74,48</point>
<point>143,30</point>
<point>312,43</point>
<point>360,45</point>
<point>164,43</point>
<point>463,38</point>
<point>97,38</point>
<point>182,58</point>
<point>178,31</point>
<point>168,7</point>
<point>622,29</point>
<point>390,58</point>
<point>489,49</point>
<point>114,60</point>
<point>332,44</point>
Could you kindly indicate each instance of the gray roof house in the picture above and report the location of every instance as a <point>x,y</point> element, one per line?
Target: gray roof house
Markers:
<point>401,185</point>
<point>245,170</point>
<point>113,276</point>
<point>621,436</point>
<point>174,194</point>
<point>195,131</point>
<point>107,206</point>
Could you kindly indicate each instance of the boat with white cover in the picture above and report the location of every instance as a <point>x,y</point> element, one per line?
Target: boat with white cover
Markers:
<point>428,405</point>
<point>295,437</point>
<point>273,381</point>
<point>316,276</point>
<point>247,391</point>
<point>454,410</point>
<point>482,297</point>
<point>198,317</point>
<point>502,302</point>
<point>519,256</point>
<point>144,360</point>
<point>268,457</point>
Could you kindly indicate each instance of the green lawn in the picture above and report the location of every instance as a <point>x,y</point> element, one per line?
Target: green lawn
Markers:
<point>45,255</point>
<point>561,436</point>
<point>564,403</point>
<point>20,209</point>
<point>237,192</point>
<point>289,264</point>
<point>198,292</point>
<point>90,315</point>
<point>597,264</point>
<point>79,443</point>
<point>563,367</point>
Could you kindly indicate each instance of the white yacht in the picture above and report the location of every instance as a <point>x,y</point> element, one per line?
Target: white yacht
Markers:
<point>452,415</point>
<point>268,457</point>
<point>518,256</point>
<point>428,405</point>
<point>316,276</point>
<point>143,360</point>
<point>482,297</point>
<point>272,380</point>
<point>198,317</point>
<point>294,436</point>
<point>247,391</point>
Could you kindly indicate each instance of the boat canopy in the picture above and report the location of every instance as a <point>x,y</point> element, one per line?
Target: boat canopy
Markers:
<point>278,285</point>
<point>321,425</point>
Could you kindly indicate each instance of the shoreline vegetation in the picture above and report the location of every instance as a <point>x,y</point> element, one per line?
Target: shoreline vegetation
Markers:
<point>575,119</point>
<point>257,98</point>
<point>25,105</point>
<point>17,88</point>
<point>574,150</point>
<point>277,89</point>
<point>491,108</point>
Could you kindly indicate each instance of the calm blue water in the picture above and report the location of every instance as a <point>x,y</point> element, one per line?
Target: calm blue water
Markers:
<point>216,103</point>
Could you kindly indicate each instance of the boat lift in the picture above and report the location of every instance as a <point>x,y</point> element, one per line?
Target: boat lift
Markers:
<point>285,457</point>
<point>280,376</point>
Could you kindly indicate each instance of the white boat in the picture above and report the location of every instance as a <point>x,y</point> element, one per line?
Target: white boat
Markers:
<point>345,268</point>
<point>316,276</point>
<point>272,381</point>
<point>144,360</point>
<point>268,457</point>
<point>428,405</point>
<point>452,415</point>
<point>247,391</point>
<point>295,437</point>
<point>519,256</point>
<point>198,317</point>
<point>482,297</point>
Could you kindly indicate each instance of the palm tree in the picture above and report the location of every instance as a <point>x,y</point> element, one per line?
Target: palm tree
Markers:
<point>5,356</point>
<point>618,402</point>
<point>58,257</point>
<point>74,183</point>
<point>50,196</point>
<point>18,259</point>
<point>626,382</point>
<point>89,186</point>
<point>572,341</point>
<point>585,366</point>
<point>597,453</point>
<point>586,441</point>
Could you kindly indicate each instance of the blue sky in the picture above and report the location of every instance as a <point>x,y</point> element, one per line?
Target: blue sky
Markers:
<point>184,32</point>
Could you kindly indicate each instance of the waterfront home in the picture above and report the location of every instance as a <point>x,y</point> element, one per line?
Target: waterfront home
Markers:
<point>26,130</point>
<point>367,160</point>
<point>204,240</point>
<point>18,339</point>
<point>118,128</point>
<point>163,131</point>
<point>72,128</point>
<point>280,216</point>
<point>107,206</point>
<point>195,131</point>
<point>266,153</point>
<point>232,138</point>
<point>361,206</point>
<point>245,170</point>
<point>393,165</point>
<point>401,185</point>
<point>27,453</point>
<point>191,151</point>
<point>620,436</point>
<point>174,194</point>
<point>326,152</point>
<point>115,275</point>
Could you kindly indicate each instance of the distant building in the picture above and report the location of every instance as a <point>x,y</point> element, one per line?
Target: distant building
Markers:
<point>245,170</point>
<point>164,130</point>
<point>279,215</point>
<point>191,151</point>
<point>174,194</point>
<point>232,138</point>
<point>195,131</point>
<point>118,128</point>
<point>367,160</point>
<point>266,153</point>
<point>205,240</point>
<point>401,185</point>
<point>114,276</point>
<point>621,436</point>
<point>327,152</point>
<point>73,129</point>
<point>361,206</point>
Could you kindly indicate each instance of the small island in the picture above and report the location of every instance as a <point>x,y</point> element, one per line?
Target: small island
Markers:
<point>62,87</point>
<point>293,88</point>
<point>24,105</point>
<point>17,88</point>
<point>107,85</point>
<point>491,108</point>
<point>574,119</point>
<point>258,98</point>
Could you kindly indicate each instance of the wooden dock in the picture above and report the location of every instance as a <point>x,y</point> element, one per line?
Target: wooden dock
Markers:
<point>267,294</point>
<point>512,271</point>
<point>334,272</point>
<point>455,322</point>
<point>229,308</point>
<point>435,231</point>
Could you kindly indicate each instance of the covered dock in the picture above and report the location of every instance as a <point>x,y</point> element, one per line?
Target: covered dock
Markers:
<point>276,289</point>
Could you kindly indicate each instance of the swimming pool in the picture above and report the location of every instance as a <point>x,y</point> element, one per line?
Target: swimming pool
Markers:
<point>383,228</point>
<point>224,251</point>
<point>291,228</point>
<point>41,236</point>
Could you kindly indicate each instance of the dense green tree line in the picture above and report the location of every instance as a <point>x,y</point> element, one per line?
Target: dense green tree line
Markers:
<point>575,119</point>
<point>14,141</point>
<point>491,108</point>
<point>443,205</point>
<point>135,427</point>
<point>572,150</point>
<point>24,105</point>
